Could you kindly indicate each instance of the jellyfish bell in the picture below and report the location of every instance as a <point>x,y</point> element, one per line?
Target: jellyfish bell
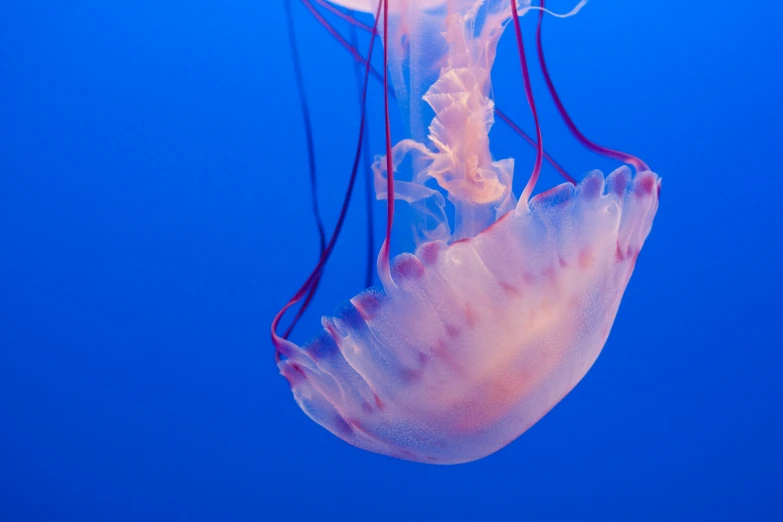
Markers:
<point>502,310</point>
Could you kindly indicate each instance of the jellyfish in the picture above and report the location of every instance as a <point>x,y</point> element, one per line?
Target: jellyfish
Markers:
<point>505,303</point>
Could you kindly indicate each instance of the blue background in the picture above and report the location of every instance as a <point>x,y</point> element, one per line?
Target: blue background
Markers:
<point>154,215</point>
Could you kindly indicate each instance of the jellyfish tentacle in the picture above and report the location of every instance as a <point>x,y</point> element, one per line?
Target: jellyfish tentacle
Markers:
<point>329,27</point>
<point>578,7</point>
<point>459,160</point>
<point>281,343</point>
<point>531,183</point>
<point>352,50</point>
<point>500,113</point>
<point>427,203</point>
<point>637,163</point>
<point>384,258</point>
<point>348,18</point>
<point>514,127</point>
<point>312,166</point>
<point>307,121</point>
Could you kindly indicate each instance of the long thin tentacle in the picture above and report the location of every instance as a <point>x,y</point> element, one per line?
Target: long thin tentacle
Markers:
<point>637,163</point>
<point>514,127</point>
<point>348,18</point>
<point>312,166</point>
<point>280,342</point>
<point>384,259</point>
<point>531,183</point>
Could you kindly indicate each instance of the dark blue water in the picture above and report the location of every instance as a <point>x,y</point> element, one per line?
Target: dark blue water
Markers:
<point>154,215</point>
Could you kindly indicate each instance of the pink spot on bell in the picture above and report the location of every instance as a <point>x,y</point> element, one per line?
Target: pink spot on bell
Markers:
<point>299,370</point>
<point>645,186</point>
<point>509,289</point>
<point>442,352</point>
<point>618,254</point>
<point>586,259</point>
<point>378,401</point>
<point>332,332</point>
<point>409,267</point>
<point>470,316</point>
<point>368,304</point>
<point>429,253</point>
<point>408,376</point>
<point>452,331</point>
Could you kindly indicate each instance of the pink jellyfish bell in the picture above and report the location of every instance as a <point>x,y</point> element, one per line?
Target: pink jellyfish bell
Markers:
<point>503,308</point>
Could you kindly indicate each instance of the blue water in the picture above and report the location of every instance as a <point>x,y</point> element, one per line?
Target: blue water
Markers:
<point>154,215</point>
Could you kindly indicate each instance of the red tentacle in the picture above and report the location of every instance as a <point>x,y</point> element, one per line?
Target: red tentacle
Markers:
<point>638,164</point>
<point>531,183</point>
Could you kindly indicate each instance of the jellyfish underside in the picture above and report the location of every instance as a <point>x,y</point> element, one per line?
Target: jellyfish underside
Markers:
<point>497,315</point>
